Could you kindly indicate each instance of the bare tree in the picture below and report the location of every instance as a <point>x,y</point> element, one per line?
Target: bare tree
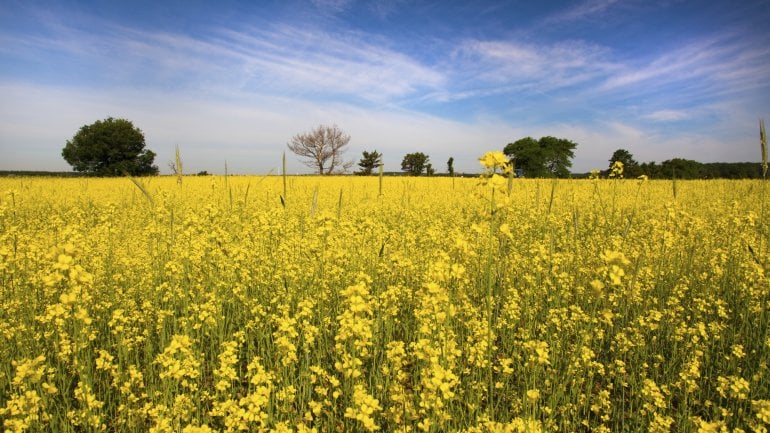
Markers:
<point>322,148</point>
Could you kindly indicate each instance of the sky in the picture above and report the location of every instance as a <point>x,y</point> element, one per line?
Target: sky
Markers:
<point>231,82</point>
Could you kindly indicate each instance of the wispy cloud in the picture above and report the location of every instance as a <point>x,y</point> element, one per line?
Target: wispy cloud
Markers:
<point>590,76</point>
<point>333,5</point>
<point>682,63</point>
<point>587,8</point>
<point>667,115</point>
<point>249,133</point>
<point>542,67</point>
<point>320,62</point>
<point>277,58</point>
<point>706,67</point>
<point>243,90</point>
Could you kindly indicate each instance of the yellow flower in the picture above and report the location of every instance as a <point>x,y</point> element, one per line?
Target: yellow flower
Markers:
<point>197,429</point>
<point>533,395</point>
<point>733,386</point>
<point>710,427</point>
<point>617,169</point>
<point>226,373</point>
<point>31,370</point>
<point>497,181</point>
<point>597,287</point>
<point>738,351</point>
<point>762,410</point>
<point>507,365</point>
<point>539,352</point>
<point>653,395</point>
<point>364,408</point>
<point>660,424</point>
<point>494,159</point>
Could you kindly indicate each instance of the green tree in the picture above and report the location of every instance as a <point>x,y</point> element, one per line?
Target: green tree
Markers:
<point>681,168</point>
<point>110,147</point>
<point>549,156</point>
<point>429,170</point>
<point>526,155</point>
<point>732,170</point>
<point>630,166</point>
<point>650,169</point>
<point>558,155</point>
<point>450,166</point>
<point>368,162</point>
<point>414,163</point>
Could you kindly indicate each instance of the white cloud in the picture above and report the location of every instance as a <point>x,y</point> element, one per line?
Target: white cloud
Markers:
<point>319,62</point>
<point>597,141</point>
<point>667,115</point>
<point>585,9</point>
<point>249,133</point>
<point>503,65</point>
<point>272,58</point>
<point>682,63</point>
<point>241,94</point>
<point>709,67</point>
<point>721,66</point>
<point>333,5</point>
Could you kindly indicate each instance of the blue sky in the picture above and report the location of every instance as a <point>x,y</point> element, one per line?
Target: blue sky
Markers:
<point>232,81</point>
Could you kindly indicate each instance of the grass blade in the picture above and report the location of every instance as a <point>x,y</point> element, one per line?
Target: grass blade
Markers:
<point>142,188</point>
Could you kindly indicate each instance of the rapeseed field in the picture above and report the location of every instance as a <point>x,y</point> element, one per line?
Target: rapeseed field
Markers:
<point>334,304</point>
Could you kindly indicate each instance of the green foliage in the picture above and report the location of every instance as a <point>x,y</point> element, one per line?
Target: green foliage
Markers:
<point>110,147</point>
<point>680,168</point>
<point>12,173</point>
<point>558,155</point>
<point>414,163</point>
<point>450,166</point>
<point>630,166</point>
<point>368,162</point>
<point>731,170</point>
<point>547,157</point>
<point>689,169</point>
<point>527,155</point>
<point>672,168</point>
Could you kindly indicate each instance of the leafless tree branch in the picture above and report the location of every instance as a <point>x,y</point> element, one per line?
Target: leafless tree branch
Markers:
<point>322,149</point>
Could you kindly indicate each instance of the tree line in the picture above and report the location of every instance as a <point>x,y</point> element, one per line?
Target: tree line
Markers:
<point>682,168</point>
<point>546,157</point>
<point>114,147</point>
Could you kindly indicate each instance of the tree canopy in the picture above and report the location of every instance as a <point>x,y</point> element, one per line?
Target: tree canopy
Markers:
<point>322,149</point>
<point>681,168</point>
<point>630,166</point>
<point>549,156</point>
<point>369,161</point>
<point>110,147</point>
<point>414,163</point>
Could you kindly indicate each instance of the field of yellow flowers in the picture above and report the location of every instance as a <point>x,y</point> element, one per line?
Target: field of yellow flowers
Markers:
<point>333,304</point>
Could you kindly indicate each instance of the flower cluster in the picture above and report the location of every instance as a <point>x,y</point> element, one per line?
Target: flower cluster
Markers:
<point>393,304</point>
